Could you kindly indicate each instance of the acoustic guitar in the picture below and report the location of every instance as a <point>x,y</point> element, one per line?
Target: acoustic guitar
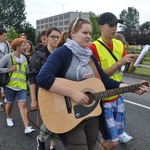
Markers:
<point>60,114</point>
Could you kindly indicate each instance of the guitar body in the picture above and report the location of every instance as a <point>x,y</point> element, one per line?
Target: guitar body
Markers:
<point>60,114</point>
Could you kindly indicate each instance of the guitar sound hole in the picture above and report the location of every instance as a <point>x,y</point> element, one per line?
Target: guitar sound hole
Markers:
<point>91,97</point>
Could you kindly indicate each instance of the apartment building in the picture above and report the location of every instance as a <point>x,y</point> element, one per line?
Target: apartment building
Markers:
<point>60,21</point>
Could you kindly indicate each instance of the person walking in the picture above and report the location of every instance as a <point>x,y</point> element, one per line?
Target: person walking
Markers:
<point>112,55</point>
<point>38,59</point>
<point>29,50</point>
<point>23,36</point>
<point>121,38</point>
<point>16,64</point>
<point>4,49</point>
<point>72,62</point>
<point>43,39</point>
<point>124,68</point>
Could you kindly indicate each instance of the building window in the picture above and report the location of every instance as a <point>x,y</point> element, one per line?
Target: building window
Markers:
<point>50,19</point>
<point>50,25</point>
<point>38,22</point>
<point>61,23</point>
<point>55,24</point>
<point>61,17</point>
<point>61,29</point>
<point>66,22</point>
<point>46,21</point>
<point>38,27</point>
<point>42,27</point>
<point>46,27</point>
<point>42,21</point>
<point>55,18</point>
<point>66,16</point>
<point>66,28</point>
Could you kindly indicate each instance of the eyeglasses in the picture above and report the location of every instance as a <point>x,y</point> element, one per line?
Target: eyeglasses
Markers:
<point>54,37</point>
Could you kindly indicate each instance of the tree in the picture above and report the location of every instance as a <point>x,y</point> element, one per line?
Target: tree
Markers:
<point>145,27</point>
<point>12,13</point>
<point>38,38</point>
<point>12,34</point>
<point>130,25</point>
<point>95,32</point>
<point>29,30</point>
<point>144,37</point>
<point>130,19</point>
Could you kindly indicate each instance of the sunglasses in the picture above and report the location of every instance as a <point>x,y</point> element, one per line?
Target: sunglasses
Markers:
<point>78,18</point>
<point>75,22</point>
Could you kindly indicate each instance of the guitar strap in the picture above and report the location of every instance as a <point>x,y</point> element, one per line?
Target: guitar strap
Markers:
<point>102,121</point>
<point>94,69</point>
<point>37,117</point>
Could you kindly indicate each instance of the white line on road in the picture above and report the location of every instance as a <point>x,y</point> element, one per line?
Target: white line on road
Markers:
<point>137,104</point>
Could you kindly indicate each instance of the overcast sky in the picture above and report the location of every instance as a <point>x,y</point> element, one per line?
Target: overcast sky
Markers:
<point>38,9</point>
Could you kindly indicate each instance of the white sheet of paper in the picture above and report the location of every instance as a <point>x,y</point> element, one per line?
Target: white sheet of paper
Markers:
<point>142,54</point>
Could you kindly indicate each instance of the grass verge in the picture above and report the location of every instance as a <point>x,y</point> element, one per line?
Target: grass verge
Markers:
<point>142,71</point>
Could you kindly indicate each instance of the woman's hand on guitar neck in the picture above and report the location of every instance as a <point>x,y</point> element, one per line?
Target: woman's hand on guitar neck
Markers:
<point>142,89</point>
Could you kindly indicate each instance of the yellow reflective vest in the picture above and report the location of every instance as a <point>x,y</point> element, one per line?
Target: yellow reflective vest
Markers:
<point>18,77</point>
<point>107,60</point>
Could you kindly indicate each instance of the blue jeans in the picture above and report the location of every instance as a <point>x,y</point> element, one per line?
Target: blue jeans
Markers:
<point>11,95</point>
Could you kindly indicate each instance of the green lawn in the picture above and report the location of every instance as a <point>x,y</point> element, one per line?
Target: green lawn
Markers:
<point>142,71</point>
<point>146,60</point>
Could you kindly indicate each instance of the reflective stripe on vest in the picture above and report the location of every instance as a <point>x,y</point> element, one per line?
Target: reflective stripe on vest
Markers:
<point>107,60</point>
<point>18,77</point>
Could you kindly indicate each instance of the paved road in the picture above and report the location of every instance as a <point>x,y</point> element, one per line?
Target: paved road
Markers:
<point>137,124</point>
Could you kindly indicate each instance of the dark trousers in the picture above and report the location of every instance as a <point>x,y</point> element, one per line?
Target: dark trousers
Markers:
<point>83,136</point>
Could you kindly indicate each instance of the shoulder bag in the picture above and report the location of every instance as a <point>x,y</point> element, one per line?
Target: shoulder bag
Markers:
<point>5,77</point>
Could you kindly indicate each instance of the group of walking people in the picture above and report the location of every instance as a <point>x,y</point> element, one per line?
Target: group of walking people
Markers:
<point>69,55</point>
<point>15,63</point>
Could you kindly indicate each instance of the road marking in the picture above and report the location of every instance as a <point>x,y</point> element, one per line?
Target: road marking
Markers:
<point>137,104</point>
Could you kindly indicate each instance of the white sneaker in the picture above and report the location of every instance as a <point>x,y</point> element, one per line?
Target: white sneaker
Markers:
<point>29,130</point>
<point>10,122</point>
<point>5,100</point>
<point>124,137</point>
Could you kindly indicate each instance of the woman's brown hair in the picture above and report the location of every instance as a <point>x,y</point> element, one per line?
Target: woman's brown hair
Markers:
<point>75,25</point>
<point>32,48</point>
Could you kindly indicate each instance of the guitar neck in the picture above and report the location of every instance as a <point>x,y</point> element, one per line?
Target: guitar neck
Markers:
<point>112,92</point>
